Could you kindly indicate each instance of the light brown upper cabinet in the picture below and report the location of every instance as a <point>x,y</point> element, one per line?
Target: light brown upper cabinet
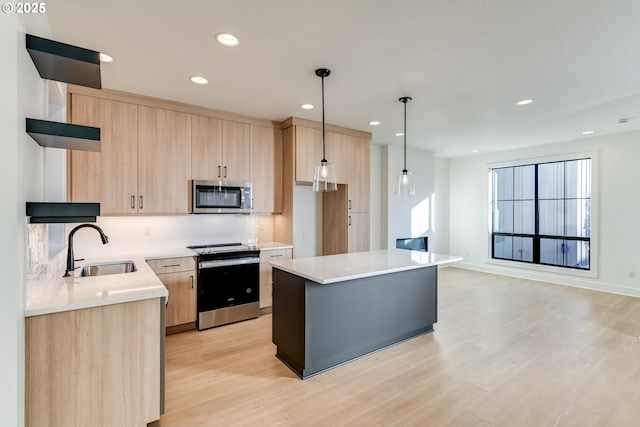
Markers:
<point>111,176</point>
<point>164,160</point>
<point>308,148</point>
<point>266,169</point>
<point>336,146</point>
<point>220,149</point>
<point>359,173</point>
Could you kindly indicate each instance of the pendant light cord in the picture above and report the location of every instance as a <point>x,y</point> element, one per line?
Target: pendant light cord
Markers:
<point>324,157</point>
<point>405,136</point>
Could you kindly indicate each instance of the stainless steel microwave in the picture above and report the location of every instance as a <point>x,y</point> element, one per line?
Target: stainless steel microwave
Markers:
<point>221,197</point>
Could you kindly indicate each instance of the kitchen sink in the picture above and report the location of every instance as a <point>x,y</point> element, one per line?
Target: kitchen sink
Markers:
<point>103,269</point>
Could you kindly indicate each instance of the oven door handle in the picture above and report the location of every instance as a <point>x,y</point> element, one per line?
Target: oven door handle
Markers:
<point>227,262</point>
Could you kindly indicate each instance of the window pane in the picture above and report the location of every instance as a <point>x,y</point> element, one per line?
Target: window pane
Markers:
<point>503,184</point>
<point>503,247</point>
<point>524,182</point>
<point>551,217</point>
<point>576,254</point>
<point>578,179</point>
<point>577,218</point>
<point>503,217</point>
<point>523,249</point>
<point>524,217</point>
<point>551,251</point>
<point>551,180</point>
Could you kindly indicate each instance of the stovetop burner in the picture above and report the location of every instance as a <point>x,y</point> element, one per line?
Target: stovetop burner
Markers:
<point>221,248</point>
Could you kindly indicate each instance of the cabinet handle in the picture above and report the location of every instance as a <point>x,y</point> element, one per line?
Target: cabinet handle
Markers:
<point>275,256</point>
<point>225,172</point>
<point>349,219</point>
<point>141,200</point>
<point>171,265</point>
<point>133,201</point>
<point>218,171</point>
<point>192,281</point>
<point>349,204</point>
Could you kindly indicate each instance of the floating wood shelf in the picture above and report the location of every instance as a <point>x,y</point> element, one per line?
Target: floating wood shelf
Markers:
<point>65,63</point>
<point>52,212</point>
<point>64,135</point>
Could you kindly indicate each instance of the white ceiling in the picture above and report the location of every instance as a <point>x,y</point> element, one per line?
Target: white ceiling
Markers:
<point>464,62</point>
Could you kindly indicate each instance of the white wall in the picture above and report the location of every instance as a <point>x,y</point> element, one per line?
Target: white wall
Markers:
<point>617,222</point>
<point>376,198</point>
<point>307,222</point>
<point>408,216</point>
<point>22,179</point>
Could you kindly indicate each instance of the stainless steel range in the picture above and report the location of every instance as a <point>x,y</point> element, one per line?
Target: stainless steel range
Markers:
<point>228,283</point>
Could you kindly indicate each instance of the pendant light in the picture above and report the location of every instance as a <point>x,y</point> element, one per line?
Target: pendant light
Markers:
<point>405,185</point>
<point>324,175</point>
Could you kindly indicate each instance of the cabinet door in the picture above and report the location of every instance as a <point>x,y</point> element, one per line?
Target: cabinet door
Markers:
<point>181,308</point>
<point>111,176</point>
<point>206,148</point>
<point>337,153</point>
<point>358,231</point>
<point>164,160</point>
<point>359,164</point>
<point>266,169</point>
<point>308,152</point>
<point>236,149</point>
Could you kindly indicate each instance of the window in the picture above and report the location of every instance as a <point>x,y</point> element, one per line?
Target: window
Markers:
<point>541,213</point>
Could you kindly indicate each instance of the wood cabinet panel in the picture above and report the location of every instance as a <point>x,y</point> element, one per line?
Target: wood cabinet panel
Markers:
<point>266,275</point>
<point>266,169</point>
<point>164,160</point>
<point>111,176</point>
<point>308,148</point>
<point>94,367</point>
<point>335,222</point>
<point>359,174</point>
<point>206,148</point>
<point>359,231</point>
<point>181,307</point>
<point>236,149</point>
<point>337,153</point>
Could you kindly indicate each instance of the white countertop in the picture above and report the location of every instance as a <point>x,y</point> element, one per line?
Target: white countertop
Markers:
<point>269,246</point>
<point>72,293</point>
<point>338,268</point>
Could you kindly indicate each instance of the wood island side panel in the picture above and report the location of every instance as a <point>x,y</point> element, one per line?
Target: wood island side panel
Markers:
<point>95,367</point>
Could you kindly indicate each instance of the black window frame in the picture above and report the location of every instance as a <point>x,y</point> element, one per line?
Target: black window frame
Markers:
<point>536,237</point>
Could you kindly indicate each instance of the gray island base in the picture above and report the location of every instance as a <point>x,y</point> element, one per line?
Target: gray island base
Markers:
<point>318,326</point>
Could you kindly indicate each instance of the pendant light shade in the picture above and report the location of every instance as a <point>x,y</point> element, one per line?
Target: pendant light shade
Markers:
<point>405,184</point>
<point>324,174</point>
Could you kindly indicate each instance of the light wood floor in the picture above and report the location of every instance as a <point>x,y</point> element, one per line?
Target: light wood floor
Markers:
<point>505,352</point>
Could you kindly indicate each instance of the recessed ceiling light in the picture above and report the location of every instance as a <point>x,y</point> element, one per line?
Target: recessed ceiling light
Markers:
<point>400,134</point>
<point>199,80</point>
<point>587,132</point>
<point>474,151</point>
<point>374,123</point>
<point>228,40</point>
<point>524,102</point>
<point>105,58</point>
<point>307,106</point>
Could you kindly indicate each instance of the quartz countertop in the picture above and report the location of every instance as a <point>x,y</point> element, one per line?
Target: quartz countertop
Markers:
<point>338,268</point>
<point>73,293</point>
<point>273,246</point>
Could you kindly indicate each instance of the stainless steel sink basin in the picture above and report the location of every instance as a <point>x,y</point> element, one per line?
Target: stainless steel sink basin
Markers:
<point>103,269</point>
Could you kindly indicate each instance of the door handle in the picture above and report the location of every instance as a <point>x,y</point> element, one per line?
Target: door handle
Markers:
<point>349,204</point>
<point>225,172</point>
<point>349,219</point>
<point>141,200</point>
<point>133,201</point>
<point>192,281</point>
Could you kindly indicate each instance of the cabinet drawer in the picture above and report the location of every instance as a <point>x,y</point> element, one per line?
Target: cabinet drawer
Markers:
<point>275,254</point>
<point>172,265</point>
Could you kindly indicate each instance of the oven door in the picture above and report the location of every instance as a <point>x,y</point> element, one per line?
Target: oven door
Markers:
<point>228,283</point>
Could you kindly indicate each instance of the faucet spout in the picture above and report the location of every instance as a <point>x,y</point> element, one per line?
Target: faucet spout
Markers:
<point>70,259</point>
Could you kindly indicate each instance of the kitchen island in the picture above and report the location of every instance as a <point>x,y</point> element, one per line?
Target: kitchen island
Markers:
<point>332,309</point>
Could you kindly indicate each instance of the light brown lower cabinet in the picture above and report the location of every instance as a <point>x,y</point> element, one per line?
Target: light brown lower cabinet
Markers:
<point>266,275</point>
<point>178,275</point>
<point>96,367</point>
